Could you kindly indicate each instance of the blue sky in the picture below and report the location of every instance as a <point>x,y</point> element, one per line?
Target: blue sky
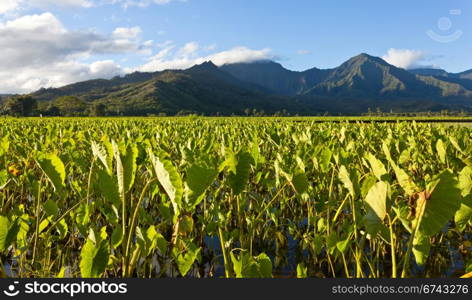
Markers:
<point>109,37</point>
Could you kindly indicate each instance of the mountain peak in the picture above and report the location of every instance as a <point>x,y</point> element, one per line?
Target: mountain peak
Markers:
<point>366,57</point>
<point>206,66</point>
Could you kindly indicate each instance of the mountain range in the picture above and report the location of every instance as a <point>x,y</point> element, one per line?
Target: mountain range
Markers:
<point>360,83</point>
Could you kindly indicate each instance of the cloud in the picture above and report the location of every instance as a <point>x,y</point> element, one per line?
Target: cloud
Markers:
<point>187,56</point>
<point>303,52</point>
<point>404,58</point>
<point>8,6</point>
<point>38,51</point>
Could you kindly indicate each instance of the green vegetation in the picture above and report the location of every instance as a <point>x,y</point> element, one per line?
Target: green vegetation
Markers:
<point>254,197</point>
<point>360,83</point>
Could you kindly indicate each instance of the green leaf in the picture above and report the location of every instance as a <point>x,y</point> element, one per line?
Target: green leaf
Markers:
<point>238,177</point>
<point>117,237</point>
<point>8,232</point>
<point>54,169</point>
<point>377,166</point>
<point>170,180</point>
<point>405,181</point>
<point>185,261</point>
<point>463,216</point>
<point>199,179</point>
<point>3,179</point>
<point>343,246</point>
<point>155,239</point>
<point>120,173</point>
<point>102,154</point>
<point>4,226</point>
<point>94,257</point>
<point>264,266</point>
<point>108,187</point>
<point>130,166</point>
<point>345,178</point>
<point>51,208</point>
<point>62,228</point>
<point>465,181</point>
<point>421,248</point>
<point>436,207</point>
<point>376,201</point>
<point>441,149</point>
<point>302,270</point>
<point>300,182</point>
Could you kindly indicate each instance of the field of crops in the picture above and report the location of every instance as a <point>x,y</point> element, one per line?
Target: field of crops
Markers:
<point>197,197</point>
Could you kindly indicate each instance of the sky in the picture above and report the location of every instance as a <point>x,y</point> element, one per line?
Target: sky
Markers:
<point>51,43</point>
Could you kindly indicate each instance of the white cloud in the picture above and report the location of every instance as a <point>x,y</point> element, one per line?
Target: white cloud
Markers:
<point>127,33</point>
<point>8,6</point>
<point>187,56</point>
<point>38,51</point>
<point>404,58</point>
<point>303,52</point>
<point>140,3</point>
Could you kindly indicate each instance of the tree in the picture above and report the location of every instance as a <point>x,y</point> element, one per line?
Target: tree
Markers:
<point>20,105</point>
<point>98,110</point>
<point>13,107</point>
<point>71,106</point>
<point>29,104</point>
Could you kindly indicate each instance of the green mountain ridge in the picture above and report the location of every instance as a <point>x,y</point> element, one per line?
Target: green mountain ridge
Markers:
<point>360,83</point>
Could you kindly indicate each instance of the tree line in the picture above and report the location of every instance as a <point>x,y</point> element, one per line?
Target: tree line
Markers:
<point>67,106</point>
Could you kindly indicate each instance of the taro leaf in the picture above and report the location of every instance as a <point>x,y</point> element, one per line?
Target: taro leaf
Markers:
<point>405,180</point>
<point>441,149</point>
<point>246,266</point>
<point>302,270</point>
<point>377,166</point>
<point>465,181</point>
<point>421,248</point>
<point>185,260</point>
<point>241,264</point>
<point>437,206</point>
<point>120,173</point>
<point>54,169</point>
<point>155,239</point>
<point>345,178</point>
<point>369,182</point>
<point>238,177</point>
<point>108,187</point>
<point>343,246</point>
<point>170,180</point>
<point>94,257</point>
<point>463,216</point>
<point>3,179</point>
<point>117,237</point>
<point>62,228</point>
<point>100,152</point>
<point>325,159</point>
<point>264,265</point>
<point>129,166</point>
<point>51,208</point>
<point>8,232</point>
<point>199,179</point>
<point>4,226</point>
<point>376,201</point>
<point>300,182</point>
